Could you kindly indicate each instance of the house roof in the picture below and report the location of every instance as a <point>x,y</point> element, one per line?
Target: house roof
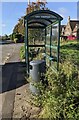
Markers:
<point>62,26</point>
<point>73,23</point>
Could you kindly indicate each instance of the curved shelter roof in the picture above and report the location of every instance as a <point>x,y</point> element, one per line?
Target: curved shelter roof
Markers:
<point>42,18</point>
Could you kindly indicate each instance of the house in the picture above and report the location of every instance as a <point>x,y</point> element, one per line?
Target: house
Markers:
<point>71,30</point>
<point>62,29</point>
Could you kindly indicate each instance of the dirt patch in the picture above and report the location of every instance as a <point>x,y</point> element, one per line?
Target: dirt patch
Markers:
<point>23,108</point>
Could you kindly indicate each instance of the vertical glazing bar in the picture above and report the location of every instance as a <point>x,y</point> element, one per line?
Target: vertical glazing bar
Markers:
<point>45,42</point>
<point>50,41</point>
<point>27,49</point>
<point>58,49</point>
<point>25,39</point>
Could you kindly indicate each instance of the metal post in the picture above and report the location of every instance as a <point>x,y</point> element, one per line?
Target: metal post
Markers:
<point>58,47</point>
<point>50,41</point>
<point>26,47</point>
<point>25,40</point>
<point>45,42</point>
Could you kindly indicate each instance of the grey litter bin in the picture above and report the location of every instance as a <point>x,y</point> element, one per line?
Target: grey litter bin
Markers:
<point>37,68</point>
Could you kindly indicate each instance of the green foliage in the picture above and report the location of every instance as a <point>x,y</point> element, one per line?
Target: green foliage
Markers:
<point>60,99</point>
<point>35,35</point>
<point>19,29</point>
<point>11,36</point>
<point>70,51</point>
<point>16,37</point>
<point>22,52</point>
<point>5,37</point>
<point>15,40</point>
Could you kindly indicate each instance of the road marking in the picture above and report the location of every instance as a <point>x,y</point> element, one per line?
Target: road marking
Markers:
<point>0,106</point>
<point>8,56</point>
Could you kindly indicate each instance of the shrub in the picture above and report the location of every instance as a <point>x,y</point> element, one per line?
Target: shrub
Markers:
<point>15,40</point>
<point>22,52</point>
<point>60,100</point>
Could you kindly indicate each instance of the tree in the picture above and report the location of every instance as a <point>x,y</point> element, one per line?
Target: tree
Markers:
<point>36,35</point>
<point>19,27</point>
<point>5,37</point>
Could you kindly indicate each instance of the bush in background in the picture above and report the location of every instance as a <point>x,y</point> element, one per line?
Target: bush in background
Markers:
<point>15,40</point>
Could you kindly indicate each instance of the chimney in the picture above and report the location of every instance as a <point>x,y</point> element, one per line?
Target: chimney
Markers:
<point>38,1</point>
<point>69,19</point>
<point>28,2</point>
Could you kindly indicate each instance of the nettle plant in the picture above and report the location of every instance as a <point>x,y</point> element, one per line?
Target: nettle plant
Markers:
<point>60,99</point>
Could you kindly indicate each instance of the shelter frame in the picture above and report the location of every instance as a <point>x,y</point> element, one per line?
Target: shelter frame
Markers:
<point>43,19</point>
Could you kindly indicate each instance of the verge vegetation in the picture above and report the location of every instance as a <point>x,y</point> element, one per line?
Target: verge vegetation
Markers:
<point>59,100</point>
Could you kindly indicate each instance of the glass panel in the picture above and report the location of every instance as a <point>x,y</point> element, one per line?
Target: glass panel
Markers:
<point>55,35</point>
<point>48,36</point>
<point>54,45</point>
<point>48,51</point>
<point>51,49</point>
<point>36,37</point>
<point>47,61</point>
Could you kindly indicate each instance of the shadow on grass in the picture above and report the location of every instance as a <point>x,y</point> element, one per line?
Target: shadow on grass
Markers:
<point>73,46</point>
<point>13,76</point>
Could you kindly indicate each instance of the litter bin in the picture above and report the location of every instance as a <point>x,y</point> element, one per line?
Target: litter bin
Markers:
<point>37,68</point>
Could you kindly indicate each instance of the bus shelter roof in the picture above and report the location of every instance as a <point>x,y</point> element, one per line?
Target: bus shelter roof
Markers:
<point>42,18</point>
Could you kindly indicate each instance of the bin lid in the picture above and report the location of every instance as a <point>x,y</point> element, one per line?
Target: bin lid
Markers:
<point>36,62</point>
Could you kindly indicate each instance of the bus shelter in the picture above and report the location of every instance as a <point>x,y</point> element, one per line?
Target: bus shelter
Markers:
<point>49,22</point>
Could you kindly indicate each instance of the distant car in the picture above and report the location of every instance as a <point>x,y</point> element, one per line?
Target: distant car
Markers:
<point>71,37</point>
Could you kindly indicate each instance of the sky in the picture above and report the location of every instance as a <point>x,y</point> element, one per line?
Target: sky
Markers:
<point>12,11</point>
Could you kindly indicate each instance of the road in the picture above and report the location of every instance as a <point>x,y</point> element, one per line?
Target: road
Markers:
<point>8,50</point>
<point>12,77</point>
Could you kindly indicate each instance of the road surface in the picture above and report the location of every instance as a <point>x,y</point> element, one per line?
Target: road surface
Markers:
<point>12,77</point>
